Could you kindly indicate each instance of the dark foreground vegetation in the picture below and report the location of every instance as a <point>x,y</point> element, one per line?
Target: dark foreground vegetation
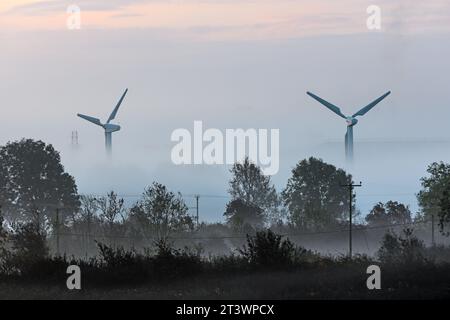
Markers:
<point>267,267</point>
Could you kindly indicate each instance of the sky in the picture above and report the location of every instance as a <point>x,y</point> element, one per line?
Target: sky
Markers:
<point>231,64</point>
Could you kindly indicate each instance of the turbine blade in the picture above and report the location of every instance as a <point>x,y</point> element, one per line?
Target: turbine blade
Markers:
<point>114,113</point>
<point>330,106</point>
<point>367,108</point>
<point>90,119</point>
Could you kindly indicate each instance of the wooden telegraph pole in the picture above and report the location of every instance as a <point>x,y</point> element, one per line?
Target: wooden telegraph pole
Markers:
<point>350,187</point>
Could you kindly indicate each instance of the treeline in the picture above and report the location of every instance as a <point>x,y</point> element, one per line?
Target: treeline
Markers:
<point>37,195</point>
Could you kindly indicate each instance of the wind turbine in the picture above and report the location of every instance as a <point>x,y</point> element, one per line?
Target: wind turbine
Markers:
<point>351,121</point>
<point>108,126</point>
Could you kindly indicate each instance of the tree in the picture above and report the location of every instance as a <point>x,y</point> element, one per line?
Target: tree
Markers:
<point>253,188</point>
<point>433,187</point>
<point>390,213</point>
<point>111,209</point>
<point>33,183</point>
<point>5,192</point>
<point>401,249</point>
<point>3,235</point>
<point>161,212</point>
<point>87,221</point>
<point>241,215</point>
<point>314,196</point>
<point>444,211</point>
<point>29,245</point>
<point>88,209</point>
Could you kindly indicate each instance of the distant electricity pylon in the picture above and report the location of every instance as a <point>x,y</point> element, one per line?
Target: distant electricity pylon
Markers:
<point>350,187</point>
<point>74,139</point>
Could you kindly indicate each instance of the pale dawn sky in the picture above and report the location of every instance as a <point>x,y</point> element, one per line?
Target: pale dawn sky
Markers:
<point>231,64</point>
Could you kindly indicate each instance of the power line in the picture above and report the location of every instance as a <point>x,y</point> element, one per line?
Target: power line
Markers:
<point>307,233</point>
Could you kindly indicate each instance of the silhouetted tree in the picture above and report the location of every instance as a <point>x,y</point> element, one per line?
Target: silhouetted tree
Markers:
<point>33,183</point>
<point>241,215</point>
<point>253,188</point>
<point>314,196</point>
<point>5,190</point>
<point>111,210</point>
<point>4,252</point>
<point>89,207</point>
<point>390,213</point>
<point>111,207</point>
<point>161,212</point>
<point>29,245</point>
<point>433,187</point>
<point>444,211</point>
<point>87,222</point>
<point>3,235</point>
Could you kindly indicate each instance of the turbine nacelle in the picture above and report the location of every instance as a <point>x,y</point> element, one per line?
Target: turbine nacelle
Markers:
<point>109,127</point>
<point>351,121</point>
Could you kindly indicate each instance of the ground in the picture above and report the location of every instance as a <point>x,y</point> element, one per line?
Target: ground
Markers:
<point>330,283</point>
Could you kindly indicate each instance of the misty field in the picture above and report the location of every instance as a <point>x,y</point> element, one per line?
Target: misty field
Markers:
<point>267,267</point>
<point>289,245</point>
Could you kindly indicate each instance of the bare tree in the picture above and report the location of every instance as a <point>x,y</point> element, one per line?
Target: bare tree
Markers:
<point>112,213</point>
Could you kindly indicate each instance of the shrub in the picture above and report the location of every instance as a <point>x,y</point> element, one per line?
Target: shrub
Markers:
<point>117,265</point>
<point>28,249</point>
<point>401,249</point>
<point>438,253</point>
<point>171,263</point>
<point>114,257</point>
<point>267,249</point>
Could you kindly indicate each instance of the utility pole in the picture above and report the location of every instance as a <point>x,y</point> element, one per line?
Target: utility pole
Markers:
<point>88,241</point>
<point>197,197</point>
<point>350,187</point>
<point>57,232</point>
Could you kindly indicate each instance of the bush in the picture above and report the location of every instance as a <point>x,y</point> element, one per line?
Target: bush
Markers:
<point>438,253</point>
<point>266,249</point>
<point>401,249</point>
<point>28,249</point>
<point>117,265</point>
<point>172,263</point>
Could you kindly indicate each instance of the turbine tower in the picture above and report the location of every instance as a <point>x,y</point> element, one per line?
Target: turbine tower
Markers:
<point>351,121</point>
<point>108,126</point>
